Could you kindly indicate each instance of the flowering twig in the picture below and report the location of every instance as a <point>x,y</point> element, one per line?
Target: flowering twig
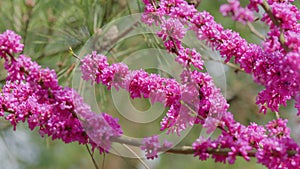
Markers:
<point>186,149</point>
<point>268,10</point>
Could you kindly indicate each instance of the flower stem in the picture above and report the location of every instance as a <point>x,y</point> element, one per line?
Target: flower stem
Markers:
<point>92,156</point>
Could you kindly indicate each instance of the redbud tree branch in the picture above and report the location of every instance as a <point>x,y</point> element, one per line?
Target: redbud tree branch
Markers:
<point>186,149</point>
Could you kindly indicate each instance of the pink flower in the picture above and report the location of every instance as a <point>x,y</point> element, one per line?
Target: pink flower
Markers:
<point>288,15</point>
<point>269,65</point>
<point>152,146</point>
<point>171,28</point>
<point>32,94</point>
<point>137,83</point>
<point>238,13</point>
<point>273,154</point>
<point>201,145</point>
<point>278,128</point>
<point>93,63</point>
<point>254,4</point>
<point>188,56</point>
<point>10,43</point>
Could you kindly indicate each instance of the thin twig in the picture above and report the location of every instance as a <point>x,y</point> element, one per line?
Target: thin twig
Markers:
<point>237,68</point>
<point>255,32</point>
<point>30,5</point>
<point>137,156</point>
<point>92,156</point>
<point>192,110</point>
<point>73,54</point>
<point>153,4</point>
<point>268,10</point>
<point>128,141</point>
<point>277,115</point>
<point>103,161</point>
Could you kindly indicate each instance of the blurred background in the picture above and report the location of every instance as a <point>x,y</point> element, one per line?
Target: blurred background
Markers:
<point>50,27</point>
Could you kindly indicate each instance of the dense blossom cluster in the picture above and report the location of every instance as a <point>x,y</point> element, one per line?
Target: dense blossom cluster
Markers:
<point>273,145</point>
<point>272,66</point>
<point>138,83</point>
<point>196,91</point>
<point>32,94</point>
<point>238,138</point>
<point>281,79</point>
<point>10,43</point>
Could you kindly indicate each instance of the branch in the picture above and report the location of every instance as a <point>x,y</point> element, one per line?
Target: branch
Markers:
<point>268,10</point>
<point>188,149</point>
<point>185,150</point>
<point>229,64</point>
<point>255,32</point>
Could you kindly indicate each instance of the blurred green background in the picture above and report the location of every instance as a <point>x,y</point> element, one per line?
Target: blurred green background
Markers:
<point>50,27</point>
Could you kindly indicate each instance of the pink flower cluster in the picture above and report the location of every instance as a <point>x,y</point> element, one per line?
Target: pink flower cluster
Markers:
<point>282,43</point>
<point>10,43</point>
<point>281,79</point>
<point>253,5</point>
<point>196,91</point>
<point>273,69</point>
<point>272,144</point>
<point>152,146</point>
<point>138,83</point>
<point>237,12</point>
<point>32,94</point>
